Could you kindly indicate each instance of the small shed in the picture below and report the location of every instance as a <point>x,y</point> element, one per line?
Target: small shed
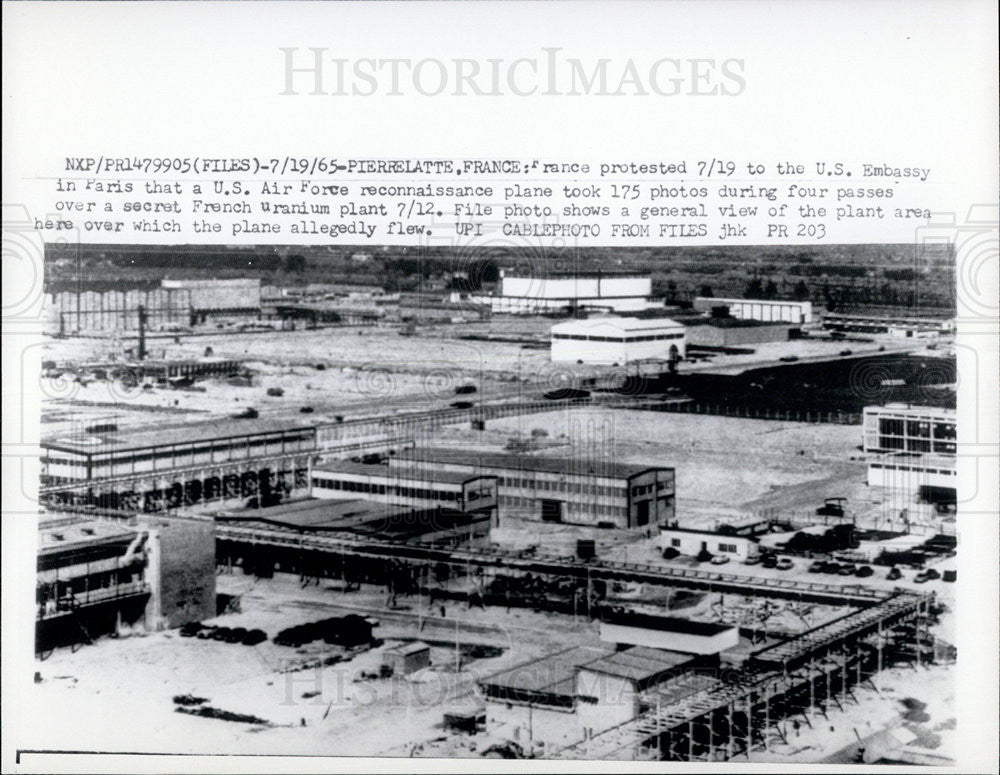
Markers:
<point>407,658</point>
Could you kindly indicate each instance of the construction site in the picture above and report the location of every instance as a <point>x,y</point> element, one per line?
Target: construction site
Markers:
<point>266,540</point>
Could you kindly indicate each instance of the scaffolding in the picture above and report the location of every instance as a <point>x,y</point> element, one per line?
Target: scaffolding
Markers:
<point>799,678</point>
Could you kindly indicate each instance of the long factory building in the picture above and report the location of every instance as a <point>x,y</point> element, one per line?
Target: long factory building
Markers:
<point>578,491</point>
<point>526,294</point>
<point>167,468</point>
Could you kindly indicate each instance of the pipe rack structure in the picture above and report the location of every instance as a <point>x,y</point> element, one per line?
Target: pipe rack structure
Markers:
<point>799,677</point>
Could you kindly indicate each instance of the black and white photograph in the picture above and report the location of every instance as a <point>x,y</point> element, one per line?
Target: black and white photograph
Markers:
<point>544,395</point>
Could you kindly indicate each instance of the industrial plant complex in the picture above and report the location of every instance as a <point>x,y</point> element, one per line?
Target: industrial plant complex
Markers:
<point>559,516</point>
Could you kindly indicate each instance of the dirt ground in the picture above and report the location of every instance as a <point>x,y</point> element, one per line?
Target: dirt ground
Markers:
<point>784,466</point>
<point>308,708</point>
<point>133,680</point>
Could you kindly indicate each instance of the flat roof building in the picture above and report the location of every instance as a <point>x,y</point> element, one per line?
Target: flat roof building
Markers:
<point>344,479</point>
<point>573,694</point>
<point>667,632</point>
<point>578,491</point>
<point>165,468</point>
<point>97,573</point>
<point>439,526</point>
<point>692,542</point>
<point>905,326</point>
<point>407,658</point>
<point>127,452</point>
<point>617,340</point>
<point>767,310</point>
<point>607,291</point>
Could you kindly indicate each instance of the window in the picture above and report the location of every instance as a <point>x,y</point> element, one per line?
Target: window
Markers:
<point>675,542</point>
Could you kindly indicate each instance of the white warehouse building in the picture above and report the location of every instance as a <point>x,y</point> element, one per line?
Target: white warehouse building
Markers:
<point>617,340</point>
<point>526,294</point>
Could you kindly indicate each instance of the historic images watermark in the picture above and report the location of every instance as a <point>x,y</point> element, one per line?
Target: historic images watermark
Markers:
<point>318,72</point>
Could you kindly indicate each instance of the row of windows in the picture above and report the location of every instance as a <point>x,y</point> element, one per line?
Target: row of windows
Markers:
<point>534,503</point>
<point>917,469</point>
<point>646,489</point>
<point>62,461</point>
<point>917,428</point>
<point>619,339</point>
<point>567,487</point>
<point>238,445</point>
<point>727,548</point>
<point>382,489</point>
<point>917,445</point>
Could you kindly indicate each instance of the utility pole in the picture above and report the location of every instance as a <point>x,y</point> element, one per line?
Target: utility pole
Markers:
<point>142,333</point>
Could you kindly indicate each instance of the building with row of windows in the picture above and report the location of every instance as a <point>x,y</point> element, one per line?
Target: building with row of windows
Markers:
<point>526,294</point>
<point>911,452</point>
<point>902,428</point>
<point>617,340</point>
<point>578,491</point>
<point>96,574</point>
<point>766,310</point>
<point>122,453</point>
<point>346,480</point>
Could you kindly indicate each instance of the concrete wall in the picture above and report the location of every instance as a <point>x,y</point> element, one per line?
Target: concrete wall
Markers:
<point>910,474</point>
<point>729,336</point>
<point>525,724</point>
<point>181,569</point>
<point>617,701</point>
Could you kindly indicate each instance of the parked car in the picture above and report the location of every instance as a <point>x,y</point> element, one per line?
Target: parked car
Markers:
<point>563,394</point>
<point>253,637</point>
<point>461,404</point>
<point>306,410</point>
<point>785,563</point>
<point>190,629</point>
<point>864,571</point>
<point>845,352</point>
<point>752,560</point>
<point>817,567</point>
<point>926,575</point>
<point>247,414</point>
<point>671,553</point>
<point>720,559</point>
<point>769,561</point>
<point>894,574</point>
<point>846,570</point>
